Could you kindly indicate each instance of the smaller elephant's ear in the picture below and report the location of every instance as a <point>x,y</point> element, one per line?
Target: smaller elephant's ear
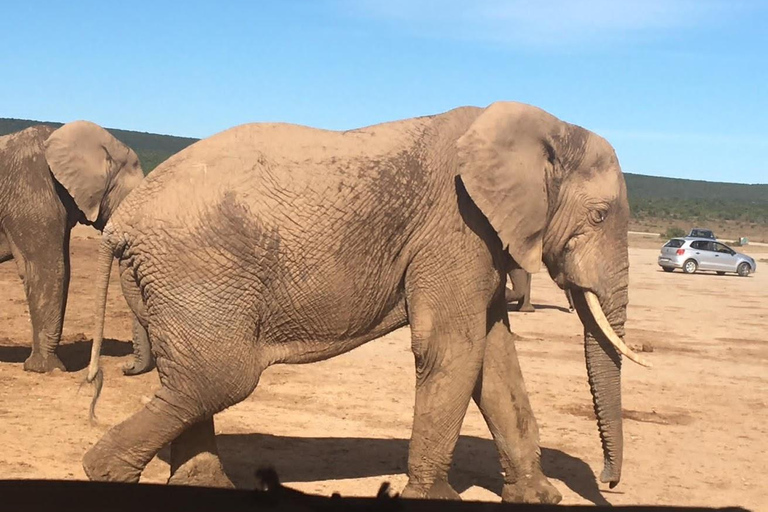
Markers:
<point>503,161</point>
<point>95,168</point>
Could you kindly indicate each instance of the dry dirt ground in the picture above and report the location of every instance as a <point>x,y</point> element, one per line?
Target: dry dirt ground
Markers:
<point>696,424</point>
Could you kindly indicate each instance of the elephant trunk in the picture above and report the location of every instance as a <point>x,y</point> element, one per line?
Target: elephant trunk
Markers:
<point>603,346</point>
<point>604,372</point>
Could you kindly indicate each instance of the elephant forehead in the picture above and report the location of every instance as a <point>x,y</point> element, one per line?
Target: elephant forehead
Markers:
<point>607,184</point>
<point>26,143</point>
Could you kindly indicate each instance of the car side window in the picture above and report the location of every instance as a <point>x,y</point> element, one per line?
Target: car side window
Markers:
<point>700,245</point>
<point>722,248</point>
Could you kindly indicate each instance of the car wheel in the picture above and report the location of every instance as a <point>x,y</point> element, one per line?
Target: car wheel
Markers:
<point>668,269</point>
<point>720,273</point>
<point>690,266</point>
<point>744,269</point>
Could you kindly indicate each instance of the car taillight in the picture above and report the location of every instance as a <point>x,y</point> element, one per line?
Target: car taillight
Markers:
<point>680,252</point>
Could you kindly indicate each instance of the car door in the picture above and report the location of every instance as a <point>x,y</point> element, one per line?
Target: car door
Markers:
<point>725,258</point>
<point>704,254</point>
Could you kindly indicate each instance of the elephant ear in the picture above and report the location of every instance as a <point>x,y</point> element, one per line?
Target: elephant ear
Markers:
<point>95,168</point>
<point>503,161</point>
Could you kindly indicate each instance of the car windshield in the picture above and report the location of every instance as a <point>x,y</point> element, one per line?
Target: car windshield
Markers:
<point>675,242</point>
<point>704,233</point>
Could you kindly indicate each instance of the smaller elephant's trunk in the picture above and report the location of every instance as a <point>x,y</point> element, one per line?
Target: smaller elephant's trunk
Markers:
<point>104,266</point>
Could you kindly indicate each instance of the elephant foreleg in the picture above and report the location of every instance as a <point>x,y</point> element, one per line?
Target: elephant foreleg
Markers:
<point>448,346</point>
<point>503,400</point>
<point>45,274</point>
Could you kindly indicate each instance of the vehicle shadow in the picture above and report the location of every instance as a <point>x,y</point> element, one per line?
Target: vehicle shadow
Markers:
<point>299,459</point>
<point>704,273</point>
<point>74,355</point>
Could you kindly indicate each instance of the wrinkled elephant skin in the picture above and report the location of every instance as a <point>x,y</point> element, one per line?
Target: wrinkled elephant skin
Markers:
<point>278,243</point>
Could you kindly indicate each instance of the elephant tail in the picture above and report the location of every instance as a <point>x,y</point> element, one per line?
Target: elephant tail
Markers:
<point>104,269</point>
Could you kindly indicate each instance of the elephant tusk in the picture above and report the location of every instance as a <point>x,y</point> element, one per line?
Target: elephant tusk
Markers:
<point>602,322</point>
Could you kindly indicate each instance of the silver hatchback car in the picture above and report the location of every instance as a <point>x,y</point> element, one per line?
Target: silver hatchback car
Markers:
<point>692,254</point>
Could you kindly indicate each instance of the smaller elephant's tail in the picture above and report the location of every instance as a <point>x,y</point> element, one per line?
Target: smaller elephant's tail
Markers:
<point>104,269</point>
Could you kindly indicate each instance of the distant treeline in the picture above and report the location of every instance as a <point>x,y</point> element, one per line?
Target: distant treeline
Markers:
<point>649,196</point>
<point>151,148</point>
<point>672,198</point>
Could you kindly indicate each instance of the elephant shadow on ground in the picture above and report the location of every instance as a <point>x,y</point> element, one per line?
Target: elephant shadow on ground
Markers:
<point>513,308</point>
<point>298,459</point>
<point>75,355</point>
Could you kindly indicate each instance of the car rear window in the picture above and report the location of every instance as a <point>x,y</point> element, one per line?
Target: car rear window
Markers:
<point>675,242</point>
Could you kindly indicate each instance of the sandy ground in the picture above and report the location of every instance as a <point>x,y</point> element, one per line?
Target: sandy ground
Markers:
<point>696,424</point>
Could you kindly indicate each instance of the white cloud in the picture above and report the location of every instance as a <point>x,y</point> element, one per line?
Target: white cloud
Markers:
<point>548,22</point>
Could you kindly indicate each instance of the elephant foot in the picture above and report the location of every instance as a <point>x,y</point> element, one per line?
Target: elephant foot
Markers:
<point>526,308</point>
<point>138,366</point>
<point>204,470</point>
<point>41,363</point>
<point>531,490</point>
<point>101,464</point>
<point>440,490</point>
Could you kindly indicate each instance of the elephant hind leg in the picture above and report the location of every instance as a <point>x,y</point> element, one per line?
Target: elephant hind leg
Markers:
<point>45,274</point>
<point>195,458</point>
<point>198,379</point>
<point>142,353</point>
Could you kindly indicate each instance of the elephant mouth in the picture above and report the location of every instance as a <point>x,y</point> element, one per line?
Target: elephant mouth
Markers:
<point>604,326</point>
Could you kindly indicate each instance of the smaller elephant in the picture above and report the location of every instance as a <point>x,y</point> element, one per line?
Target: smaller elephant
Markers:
<point>521,291</point>
<point>49,181</point>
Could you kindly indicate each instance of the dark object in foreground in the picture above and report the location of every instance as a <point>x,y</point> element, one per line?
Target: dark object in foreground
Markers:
<point>80,496</point>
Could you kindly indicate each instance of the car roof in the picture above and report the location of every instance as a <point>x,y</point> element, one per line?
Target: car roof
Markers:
<point>695,238</point>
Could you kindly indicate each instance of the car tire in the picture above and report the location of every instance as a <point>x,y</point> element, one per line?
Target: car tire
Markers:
<point>690,266</point>
<point>720,273</point>
<point>744,269</point>
<point>668,269</point>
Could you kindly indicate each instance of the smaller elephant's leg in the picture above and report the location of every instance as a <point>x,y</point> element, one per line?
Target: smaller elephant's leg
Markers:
<point>195,458</point>
<point>5,248</point>
<point>525,305</point>
<point>570,299</point>
<point>521,290</point>
<point>45,274</point>
<point>503,400</point>
<point>142,352</point>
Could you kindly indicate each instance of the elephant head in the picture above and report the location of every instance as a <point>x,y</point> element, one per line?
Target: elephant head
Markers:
<point>95,168</point>
<point>554,192</point>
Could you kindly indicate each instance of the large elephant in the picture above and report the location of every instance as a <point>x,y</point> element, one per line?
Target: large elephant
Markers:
<point>277,243</point>
<point>49,181</point>
<point>520,291</point>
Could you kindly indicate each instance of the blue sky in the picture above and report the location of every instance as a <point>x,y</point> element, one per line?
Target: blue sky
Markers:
<point>679,87</point>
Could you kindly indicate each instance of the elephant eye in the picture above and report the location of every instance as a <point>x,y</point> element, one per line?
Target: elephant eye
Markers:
<point>598,216</point>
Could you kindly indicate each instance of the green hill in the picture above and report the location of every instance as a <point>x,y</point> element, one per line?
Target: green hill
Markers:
<point>151,148</point>
<point>668,199</point>
<point>679,199</point>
